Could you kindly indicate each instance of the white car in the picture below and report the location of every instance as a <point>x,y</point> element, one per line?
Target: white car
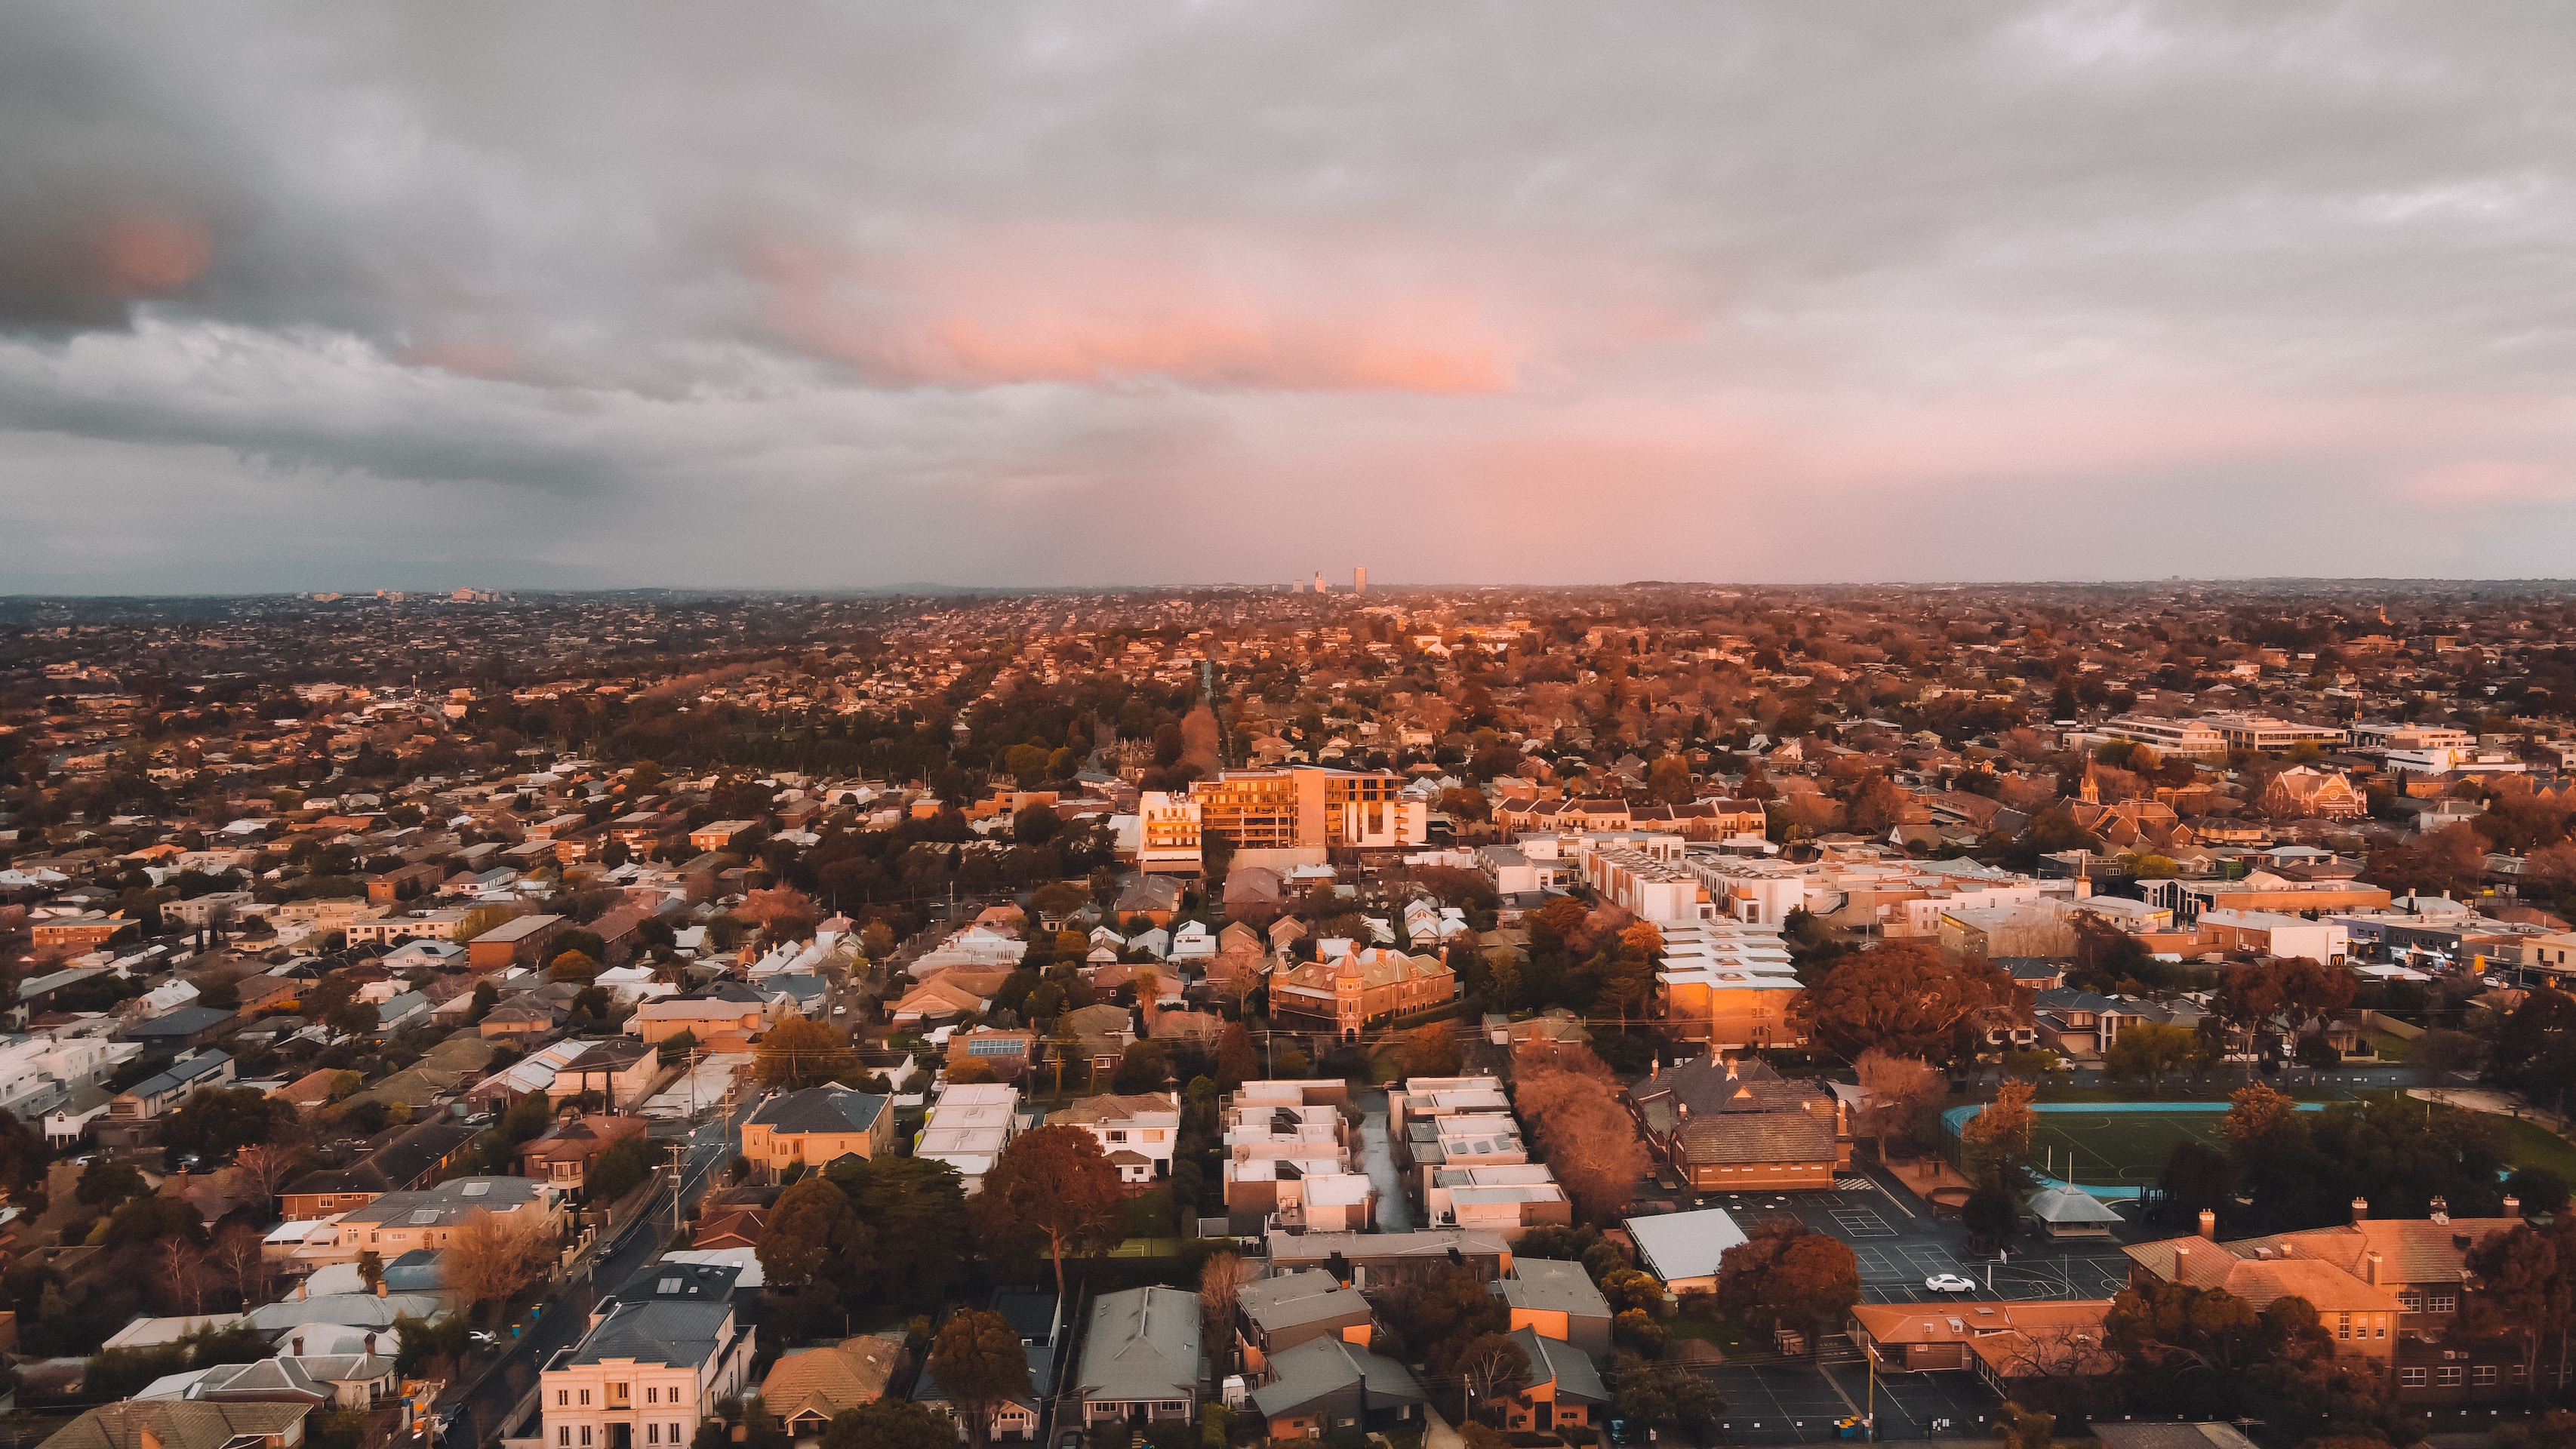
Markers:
<point>1950,1283</point>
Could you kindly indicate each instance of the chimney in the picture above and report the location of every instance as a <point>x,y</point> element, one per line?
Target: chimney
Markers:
<point>381,1290</point>
<point>2512,1206</point>
<point>2182,1265</point>
<point>2209,1224</point>
<point>2370,1269</point>
<point>2361,1210</point>
<point>2441,1210</point>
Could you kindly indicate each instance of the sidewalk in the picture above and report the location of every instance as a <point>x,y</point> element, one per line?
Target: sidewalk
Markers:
<point>1436,1434</point>
<point>2494,1104</point>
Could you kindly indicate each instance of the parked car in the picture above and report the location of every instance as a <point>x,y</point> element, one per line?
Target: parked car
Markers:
<point>1950,1283</point>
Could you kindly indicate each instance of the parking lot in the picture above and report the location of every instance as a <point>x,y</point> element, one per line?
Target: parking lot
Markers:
<point>1897,1247</point>
<point>1799,1401</point>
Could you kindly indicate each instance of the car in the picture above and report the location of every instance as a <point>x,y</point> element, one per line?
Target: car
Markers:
<point>483,1337</point>
<point>840,1011</point>
<point>1070,1439</point>
<point>188,1161</point>
<point>85,1159</point>
<point>1950,1283</point>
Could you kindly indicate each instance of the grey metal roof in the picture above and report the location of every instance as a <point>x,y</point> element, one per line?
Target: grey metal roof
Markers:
<point>1309,1295</point>
<point>1551,1285</point>
<point>1576,1376</point>
<point>1325,1366</point>
<point>1142,1344</point>
<point>658,1330</point>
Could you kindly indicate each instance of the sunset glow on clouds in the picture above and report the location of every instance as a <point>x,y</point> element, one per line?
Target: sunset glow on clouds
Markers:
<point>2074,290</point>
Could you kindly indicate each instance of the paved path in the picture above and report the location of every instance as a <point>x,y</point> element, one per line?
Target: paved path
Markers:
<point>1437,1434</point>
<point>1394,1205</point>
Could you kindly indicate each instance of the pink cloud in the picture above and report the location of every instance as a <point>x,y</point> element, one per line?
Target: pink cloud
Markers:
<point>150,254</point>
<point>1070,306</point>
<point>488,358</point>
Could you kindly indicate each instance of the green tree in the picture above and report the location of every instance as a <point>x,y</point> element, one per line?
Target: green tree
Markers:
<point>617,1171</point>
<point>891,1424</point>
<point>2150,1051</point>
<point>1662,1396</point>
<point>1053,1186</point>
<point>798,1053</point>
<point>813,1236</point>
<point>981,1367</point>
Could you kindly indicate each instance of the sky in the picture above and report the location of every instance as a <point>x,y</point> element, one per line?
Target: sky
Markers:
<point>299,297</point>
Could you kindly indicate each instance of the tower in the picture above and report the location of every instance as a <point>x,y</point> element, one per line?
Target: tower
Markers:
<point>1359,579</point>
<point>1320,586</point>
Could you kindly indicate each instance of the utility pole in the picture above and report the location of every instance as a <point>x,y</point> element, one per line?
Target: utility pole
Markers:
<point>679,1178</point>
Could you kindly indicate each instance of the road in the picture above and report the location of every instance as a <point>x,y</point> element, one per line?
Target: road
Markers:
<point>567,1315</point>
<point>1394,1205</point>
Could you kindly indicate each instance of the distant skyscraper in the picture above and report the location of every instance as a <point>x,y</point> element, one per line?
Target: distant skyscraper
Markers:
<point>1359,579</point>
<point>1320,586</point>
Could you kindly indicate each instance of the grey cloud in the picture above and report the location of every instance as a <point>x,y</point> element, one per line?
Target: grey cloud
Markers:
<point>536,253</point>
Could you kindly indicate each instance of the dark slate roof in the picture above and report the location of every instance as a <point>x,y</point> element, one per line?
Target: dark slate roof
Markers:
<point>186,1021</point>
<point>1573,1371</point>
<point>821,1109</point>
<point>1792,1136</point>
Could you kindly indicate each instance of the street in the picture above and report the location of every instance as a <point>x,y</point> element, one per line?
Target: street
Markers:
<point>567,1315</point>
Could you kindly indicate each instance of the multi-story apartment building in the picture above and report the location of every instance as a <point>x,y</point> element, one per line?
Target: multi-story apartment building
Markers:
<point>658,1357</point>
<point>1307,806</point>
<point>1167,832</point>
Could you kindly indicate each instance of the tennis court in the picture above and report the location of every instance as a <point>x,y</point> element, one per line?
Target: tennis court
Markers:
<point>2118,1147</point>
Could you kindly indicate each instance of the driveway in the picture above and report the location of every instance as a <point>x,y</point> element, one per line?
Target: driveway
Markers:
<point>1377,1159</point>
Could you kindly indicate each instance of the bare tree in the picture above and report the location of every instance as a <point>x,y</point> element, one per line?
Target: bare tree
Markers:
<point>1492,1365</point>
<point>1220,1290</point>
<point>1590,1140</point>
<point>182,1267</point>
<point>493,1257</point>
<point>1892,1089</point>
<point>262,1168</point>
<point>239,1255</point>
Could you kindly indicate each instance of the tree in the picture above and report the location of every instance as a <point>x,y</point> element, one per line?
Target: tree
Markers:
<point>1588,1138</point>
<point>784,912</point>
<point>492,1257</point>
<point>217,1124</point>
<point>1669,781</point>
<point>1998,1138</point>
<point>891,1424</point>
<point>262,1168</point>
<point>573,966</point>
<point>180,1269</point>
<point>1440,1312</point>
<point>1989,1213</point>
<point>2027,1429</point>
<point>617,1171</point>
<point>1490,1366</point>
<point>1662,1395</point>
<point>1893,1089</point>
<point>107,1182</point>
<point>2520,1285</point>
<point>979,1364</point>
<point>917,1207</point>
<point>1902,998</point>
<point>1783,1274</point>
<point>2150,1051</point>
<point>1057,900</point>
<point>240,1255</point>
<point>1054,1184</point>
<point>1432,1050</point>
<point>813,1236</point>
<point>1221,1280</point>
<point>1143,1066</point>
<point>799,1053</point>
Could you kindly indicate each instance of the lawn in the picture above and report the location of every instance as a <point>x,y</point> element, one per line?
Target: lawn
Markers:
<point>1731,1340</point>
<point>2119,1148</point>
<point>2528,1144</point>
<point>2393,1049</point>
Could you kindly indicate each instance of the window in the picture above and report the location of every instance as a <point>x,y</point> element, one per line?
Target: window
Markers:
<point>2343,1327</point>
<point>1117,1136</point>
<point>2485,1374</point>
<point>652,1433</point>
<point>674,1435</point>
<point>563,1398</point>
<point>2447,1377</point>
<point>585,1436</point>
<point>2410,1378</point>
<point>1171,1406</point>
<point>2443,1303</point>
<point>585,1398</point>
<point>652,1395</point>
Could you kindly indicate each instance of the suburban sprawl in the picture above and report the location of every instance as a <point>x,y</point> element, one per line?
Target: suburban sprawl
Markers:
<point>1434,1018</point>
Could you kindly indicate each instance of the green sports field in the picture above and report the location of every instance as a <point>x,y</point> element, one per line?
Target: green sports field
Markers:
<point>2118,1148</point>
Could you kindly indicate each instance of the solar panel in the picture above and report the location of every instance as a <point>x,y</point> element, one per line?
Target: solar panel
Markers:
<point>477,1189</point>
<point>670,1285</point>
<point>424,1217</point>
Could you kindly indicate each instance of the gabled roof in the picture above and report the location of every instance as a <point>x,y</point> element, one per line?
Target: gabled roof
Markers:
<point>177,1424</point>
<point>1551,1285</point>
<point>827,1380</point>
<point>1324,1366</point>
<point>820,1109</point>
<point>1143,1344</point>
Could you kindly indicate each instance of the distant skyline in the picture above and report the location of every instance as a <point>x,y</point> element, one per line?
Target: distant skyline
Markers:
<point>304,297</point>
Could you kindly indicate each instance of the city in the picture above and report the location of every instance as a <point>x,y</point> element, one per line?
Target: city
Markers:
<point>1286,1011</point>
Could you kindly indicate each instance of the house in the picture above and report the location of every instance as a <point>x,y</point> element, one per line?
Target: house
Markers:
<point>1280,1313</point>
<point>705,1017</point>
<point>619,1072</point>
<point>1505,1199</point>
<point>2064,1213</point>
<point>398,1222</point>
<point>409,1159</point>
<point>1007,1054</point>
<point>720,834</point>
<point>2007,1344</point>
<point>1039,1319</point>
<point>1137,1131</point>
<point>807,1386</point>
<point>1683,1249</point>
<point>560,1157</point>
<point>968,1127</point>
<point>164,1090</point>
<point>660,1353</point>
<point>185,1424</point>
<point>1737,1125</point>
<point>520,941</point>
<point>1101,1035</point>
<point>1385,1260</point>
<point>2301,792</point>
<point>942,998</point>
<point>817,1126</point>
<point>1557,1300</point>
<point>1329,1386</point>
<point>1564,1388</point>
<point>185,1029</point>
<point>521,1017</point>
<point>1140,1358</point>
